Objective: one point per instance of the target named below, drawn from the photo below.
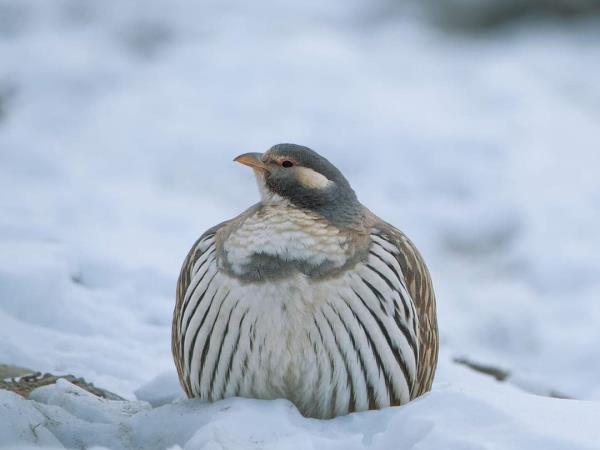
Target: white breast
(288, 233)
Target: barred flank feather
(420, 288)
(363, 339)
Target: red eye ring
(287, 164)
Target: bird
(306, 296)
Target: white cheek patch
(311, 179)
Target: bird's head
(289, 172)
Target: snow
(457, 415)
(118, 123)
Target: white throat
(266, 195)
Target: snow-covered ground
(460, 415)
(118, 123)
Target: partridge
(306, 296)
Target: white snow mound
(480, 415)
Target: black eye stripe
(287, 163)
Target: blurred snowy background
(472, 125)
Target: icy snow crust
(118, 123)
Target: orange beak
(252, 160)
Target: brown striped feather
(420, 286)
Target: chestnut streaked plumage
(306, 296)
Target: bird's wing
(202, 252)
(201, 260)
(420, 287)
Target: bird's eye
(287, 164)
